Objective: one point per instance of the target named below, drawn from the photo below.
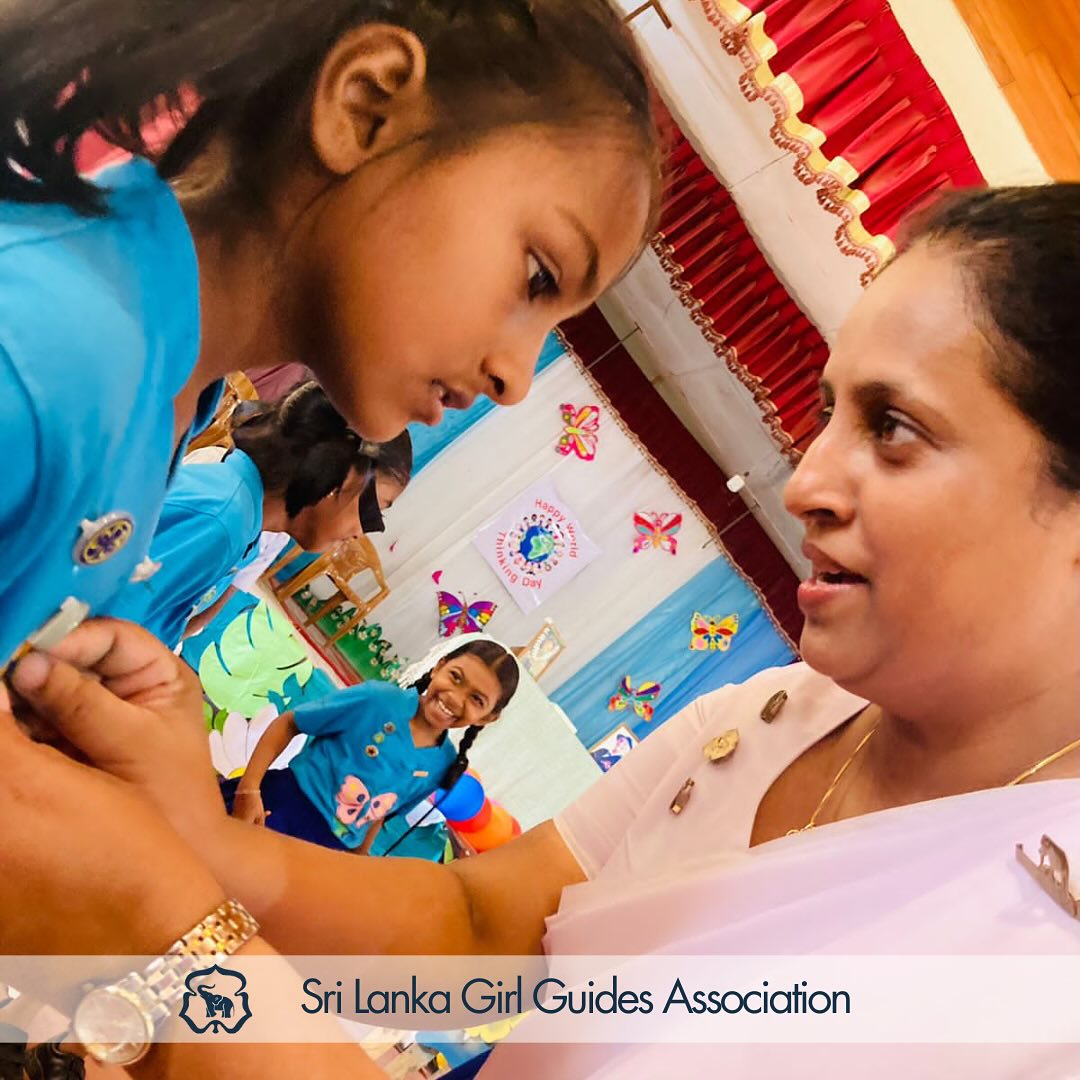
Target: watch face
(112, 1026)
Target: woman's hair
(1020, 251)
(305, 451)
(504, 666)
(242, 72)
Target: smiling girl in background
(406, 196)
(374, 749)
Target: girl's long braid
(461, 763)
(452, 775)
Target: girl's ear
(370, 95)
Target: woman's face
(413, 287)
(942, 554)
(463, 691)
(337, 517)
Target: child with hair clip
(295, 468)
(406, 196)
(374, 750)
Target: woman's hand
(122, 699)
(248, 806)
(88, 867)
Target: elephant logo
(215, 1000)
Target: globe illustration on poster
(536, 545)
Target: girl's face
(945, 562)
(412, 287)
(337, 517)
(463, 691)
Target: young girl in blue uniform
(373, 750)
(404, 195)
(295, 468)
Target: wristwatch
(116, 1022)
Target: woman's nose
(820, 485)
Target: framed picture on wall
(613, 747)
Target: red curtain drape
(866, 89)
(735, 297)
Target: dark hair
(305, 451)
(504, 666)
(70, 66)
(1020, 250)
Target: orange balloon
(477, 821)
(496, 832)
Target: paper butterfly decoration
(656, 531)
(455, 616)
(581, 433)
(640, 700)
(709, 633)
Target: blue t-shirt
(99, 331)
(362, 763)
(209, 528)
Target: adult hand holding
(88, 868)
(121, 698)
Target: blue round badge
(104, 538)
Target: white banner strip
(625, 1000)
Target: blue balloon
(463, 802)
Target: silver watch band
(160, 986)
(162, 983)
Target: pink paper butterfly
(455, 616)
(657, 531)
(709, 633)
(640, 700)
(582, 431)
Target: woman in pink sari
(933, 725)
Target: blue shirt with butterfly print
(361, 762)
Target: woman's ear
(370, 95)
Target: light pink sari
(933, 878)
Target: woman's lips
(822, 589)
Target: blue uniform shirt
(348, 783)
(99, 330)
(209, 528)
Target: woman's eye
(541, 280)
(891, 429)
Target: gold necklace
(1026, 774)
(1045, 761)
(836, 780)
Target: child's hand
(134, 709)
(248, 806)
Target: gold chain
(1045, 761)
(1026, 774)
(836, 780)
